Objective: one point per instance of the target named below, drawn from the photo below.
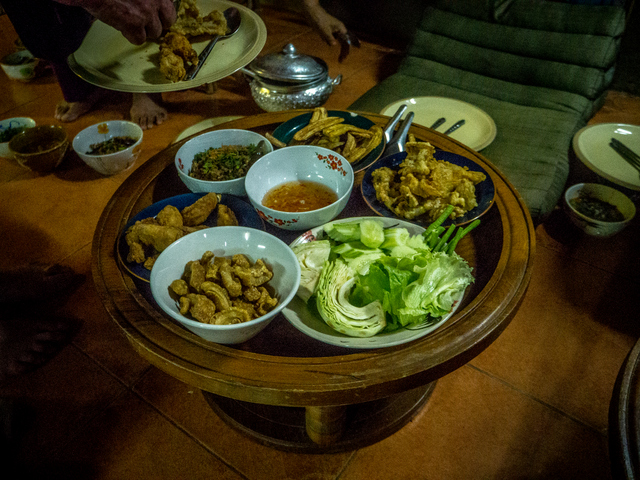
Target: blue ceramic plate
(485, 190)
(245, 213)
(287, 130)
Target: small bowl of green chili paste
(598, 210)
(218, 161)
(109, 147)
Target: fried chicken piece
(169, 216)
(226, 217)
(172, 66)
(176, 54)
(191, 22)
(143, 234)
(198, 212)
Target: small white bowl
(300, 163)
(20, 66)
(215, 139)
(590, 226)
(14, 122)
(226, 241)
(112, 163)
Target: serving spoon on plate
(232, 15)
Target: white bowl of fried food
(109, 147)
(218, 161)
(225, 284)
(300, 187)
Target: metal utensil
(396, 144)
(626, 153)
(233, 23)
(391, 126)
(454, 127)
(438, 122)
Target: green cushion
(574, 63)
(539, 69)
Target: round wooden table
(288, 390)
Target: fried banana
(314, 127)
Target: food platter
(107, 59)
(591, 145)
(244, 212)
(287, 130)
(485, 190)
(477, 133)
(298, 313)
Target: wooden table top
(282, 366)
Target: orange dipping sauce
(299, 196)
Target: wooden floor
(533, 405)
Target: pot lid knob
(289, 66)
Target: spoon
(232, 16)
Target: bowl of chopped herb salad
(218, 161)
(109, 147)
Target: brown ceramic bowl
(40, 148)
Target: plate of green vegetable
(372, 282)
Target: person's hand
(138, 20)
(329, 27)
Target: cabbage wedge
(332, 300)
(312, 257)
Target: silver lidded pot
(289, 80)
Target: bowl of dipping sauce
(40, 149)
(300, 187)
(598, 210)
(109, 147)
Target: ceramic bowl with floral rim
(109, 147)
(314, 166)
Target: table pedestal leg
(321, 429)
(325, 425)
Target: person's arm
(138, 20)
(327, 25)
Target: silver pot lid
(289, 66)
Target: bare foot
(146, 111)
(71, 111)
(27, 344)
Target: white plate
(302, 318)
(203, 125)
(109, 60)
(477, 133)
(591, 145)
